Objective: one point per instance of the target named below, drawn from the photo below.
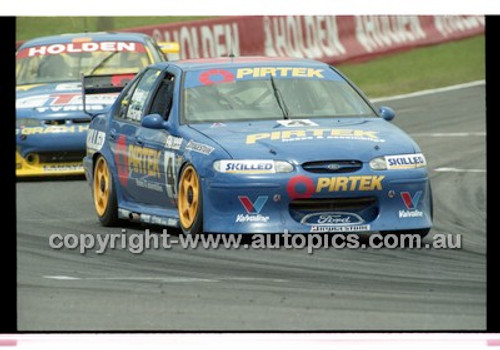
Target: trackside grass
(422, 68)
(32, 27)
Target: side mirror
(387, 113)
(153, 121)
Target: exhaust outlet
(134, 217)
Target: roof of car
(96, 36)
(234, 62)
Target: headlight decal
(399, 161)
(406, 161)
(252, 166)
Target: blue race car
(254, 145)
(51, 126)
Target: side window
(140, 95)
(121, 111)
(162, 102)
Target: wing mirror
(387, 113)
(153, 121)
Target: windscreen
(265, 93)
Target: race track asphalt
(244, 289)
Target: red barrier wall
(332, 39)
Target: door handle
(112, 134)
(139, 141)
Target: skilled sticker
(411, 203)
(253, 209)
(315, 134)
(405, 161)
(199, 147)
(247, 166)
(103, 46)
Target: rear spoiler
(170, 49)
(103, 84)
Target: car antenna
(85, 25)
(231, 52)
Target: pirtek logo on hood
(312, 134)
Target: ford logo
(332, 219)
(333, 166)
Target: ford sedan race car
(51, 126)
(254, 145)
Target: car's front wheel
(190, 201)
(105, 202)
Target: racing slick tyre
(190, 201)
(104, 194)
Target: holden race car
(51, 125)
(254, 145)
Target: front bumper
(58, 154)
(25, 168)
(234, 203)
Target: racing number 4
(170, 175)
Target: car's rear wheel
(190, 201)
(105, 202)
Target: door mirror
(387, 113)
(153, 121)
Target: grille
(55, 122)
(65, 121)
(333, 166)
(332, 204)
(61, 157)
(81, 120)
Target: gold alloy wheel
(188, 200)
(101, 186)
